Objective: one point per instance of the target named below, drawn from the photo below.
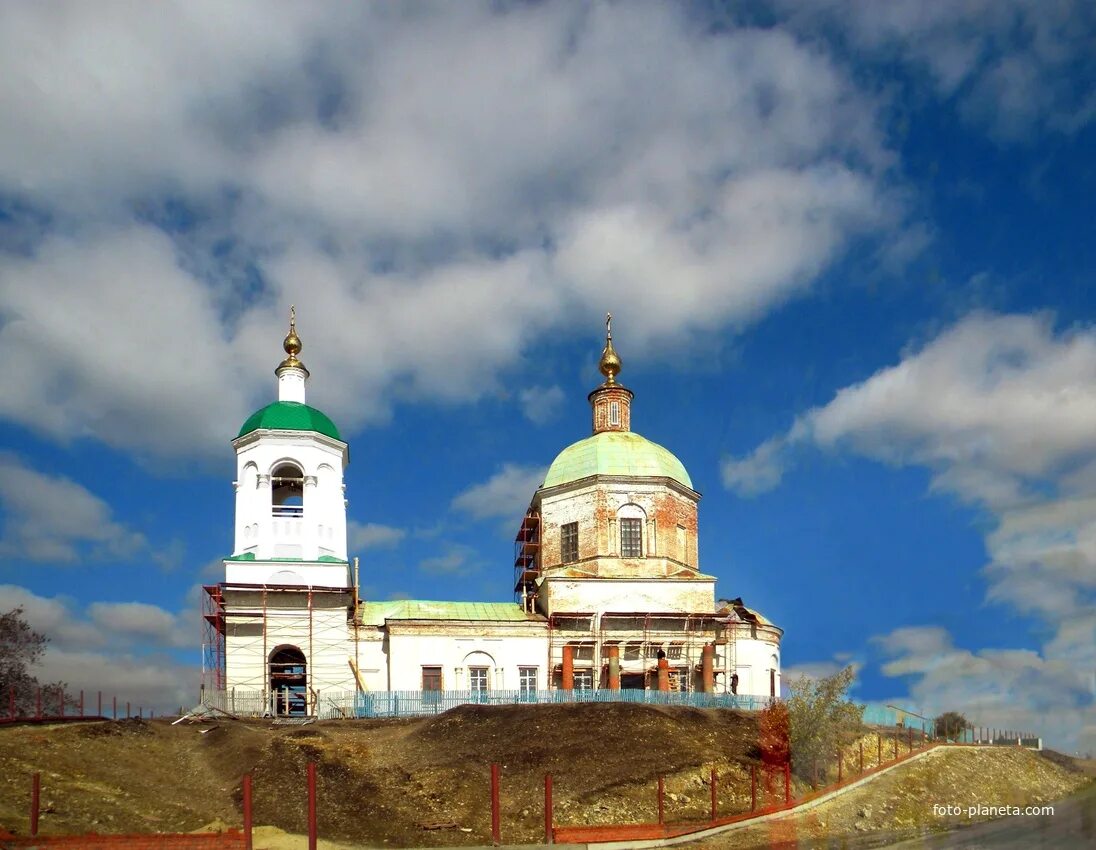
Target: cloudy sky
(849, 249)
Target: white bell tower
(290, 505)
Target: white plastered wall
(501, 647)
(321, 530)
(754, 658)
(326, 644)
(558, 594)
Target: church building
(609, 593)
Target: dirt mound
(597, 743)
(426, 782)
(117, 729)
(411, 782)
(1063, 761)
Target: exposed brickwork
(231, 840)
(601, 400)
(595, 507)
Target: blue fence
(419, 703)
(881, 715)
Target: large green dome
(290, 416)
(615, 453)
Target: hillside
(379, 781)
(425, 782)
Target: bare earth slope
(425, 782)
(900, 803)
(411, 782)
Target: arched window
(287, 490)
(632, 519)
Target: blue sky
(848, 248)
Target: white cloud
(1002, 410)
(815, 670)
(435, 189)
(1016, 689)
(1013, 66)
(52, 617)
(119, 648)
(54, 519)
(140, 621)
(541, 404)
(153, 682)
(371, 535)
(108, 338)
(455, 560)
(505, 494)
(758, 472)
(995, 405)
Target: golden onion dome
(610, 361)
(292, 344)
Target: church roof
(290, 416)
(615, 453)
(375, 613)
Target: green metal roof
(416, 609)
(615, 453)
(323, 559)
(290, 416)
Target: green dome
(290, 416)
(615, 453)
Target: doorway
(289, 682)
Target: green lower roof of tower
(615, 453)
(290, 416)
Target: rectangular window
(614, 413)
(631, 537)
(527, 681)
(568, 543)
(584, 680)
(431, 678)
(477, 679)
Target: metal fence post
(312, 805)
(787, 783)
(247, 812)
(35, 792)
(496, 836)
(547, 808)
(661, 808)
(715, 794)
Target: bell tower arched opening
(287, 491)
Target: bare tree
(21, 647)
